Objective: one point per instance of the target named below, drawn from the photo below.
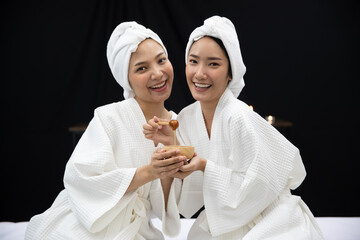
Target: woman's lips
(202, 87)
(159, 87)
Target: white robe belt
(139, 208)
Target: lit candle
(251, 107)
(270, 119)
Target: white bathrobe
(93, 204)
(246, 184)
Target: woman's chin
(199, 96)
(162, 97)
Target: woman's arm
(260, 166)
(163, 165)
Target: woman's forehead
(146, 50)
(148, 45)
(206, 47)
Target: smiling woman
(207, 72)
(150, 73)
(111, 187)
(244, 168)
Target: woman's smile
(159, 87)
(201, 87)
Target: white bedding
(334, 228)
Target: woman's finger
(159, 150)
(168, 154)
(169, 173)
(154, 122)
(149, 127)
(148, 132)
(168, 162)
(187, 168)
(171, 167)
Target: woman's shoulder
(114, 107)
(234, 108)
(190, 109)
(116, 111)
(118, 115)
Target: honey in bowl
(187, 151)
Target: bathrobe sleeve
(170, 218)
(257, 165)
(95, 184)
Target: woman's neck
(153, 109)
(208, 111)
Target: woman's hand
(158, 133)
(195, 164)
(165, 163)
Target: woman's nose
(200, 74)
(156, 74)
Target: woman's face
(207, 71)
(150, 73)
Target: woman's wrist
(167, 180)
(142, 176)
(203, 164)
(170, 141)
(149, 175)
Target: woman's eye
(192, 61)
(214, 64)
(162, 60)
(140, 69)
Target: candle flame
(270, 119)
(251, 107)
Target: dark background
(302, 61)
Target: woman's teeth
(160, 85)
(199, 85)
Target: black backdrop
(302, 61)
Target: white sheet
(346, 228)
(12, 231)
(334, 228)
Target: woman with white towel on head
(244, 168)
(115, 177)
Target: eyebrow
(214, 58)
(143, 62)
(209, 58)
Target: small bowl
(187, 151)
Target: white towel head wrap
(223, 29)
(123, 41)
